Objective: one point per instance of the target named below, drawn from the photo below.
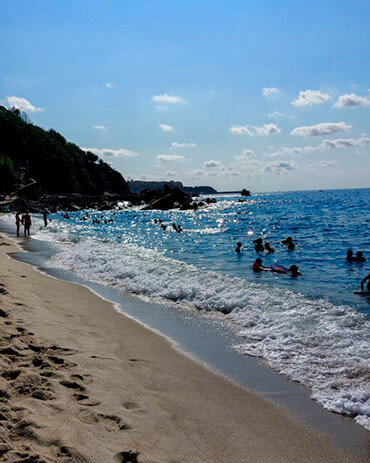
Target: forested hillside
(58, 166)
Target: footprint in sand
(110, 422)
(85, 400)
(73, 385)
(126, 456)
(69, 455)
(3, 314)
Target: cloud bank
(166, 127)
(351, 100)
(310, 97)
(170, 158)
(251, 130)
(120, 152)
(269, 91)
(165, 98)
(183, 145)
(212, 163)
(325, 128)
(22, 104)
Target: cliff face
(57, 165)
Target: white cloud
(345, 143)
(120, 152)
(109, 85)
(241, 130)
(310, 97)
(165, 98)
(22, 104)
(275, 115)
(100, 127)
(212, 163)
(286, 150)
(279, 167)
(170, 158)
(246, 156)
(251, 130)
(325, 128)
(183, 145)
(166, 127)
(337, 143)
(351, 100)
(269, 91)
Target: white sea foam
(314, 342)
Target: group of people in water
(260, 246)
(176, 228)
(357, 258)
(293, 270)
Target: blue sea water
(313, 328)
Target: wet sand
(81, 382)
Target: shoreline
(141, 394)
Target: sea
(312, 329)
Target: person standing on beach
(17, 222)
(26, 220)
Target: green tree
(8, 174)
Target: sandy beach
(81, 382)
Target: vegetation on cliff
(58, 166)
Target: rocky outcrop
(245, 192)
(169, 198)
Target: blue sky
(264, 95)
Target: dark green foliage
(8, 174)
(57, 165)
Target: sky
(262, 95)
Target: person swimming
(268, 248)
(258, 245)
(360, 257)
(366, 279)
(357, 258)
(238, 247)
(289, 242)
(293, 270)
(258, 267)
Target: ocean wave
(322, 346)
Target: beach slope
(81, 382)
